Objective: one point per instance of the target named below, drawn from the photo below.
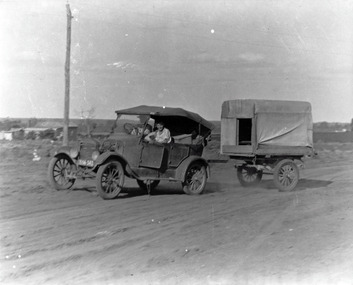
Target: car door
(153, 156)
(178, 153)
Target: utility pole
(67, 77)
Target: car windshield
(133, 124)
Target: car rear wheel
(110, 180)
(195, 179)
(248, 176)
(286, 175)
(61, 172)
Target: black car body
(125, 153)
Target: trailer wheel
(248, 176)
(286, 175)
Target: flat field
(228, 235)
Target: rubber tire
(105, 169)
(281, 175)
(256, 176)
(143, 185)
(190, 179)
(53, 166)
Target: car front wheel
(195, 179)
(110, 180)
(61, 172)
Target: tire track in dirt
(165, 232)
(166, 237)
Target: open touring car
(125, 153)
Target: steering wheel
(129, 128)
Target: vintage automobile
(125, 153)
(267, 136)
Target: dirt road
(228, 235)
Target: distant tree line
(101, 125)
(8, 124)
(333, 127)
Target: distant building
(48, 129)
(58, 129)
(14, 133)
(35, 133)
(6, 135)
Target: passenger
(161, 135)
(198, 139)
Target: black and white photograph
(172, 142)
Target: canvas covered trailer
(256, 127)
(261, 134)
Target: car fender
(181, 170)
(106, 156)
(64, 150)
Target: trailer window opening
(244, 131)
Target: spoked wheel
(110, 180)
(248, 176)
(143, 185)
(61, 172)
(195, 179)
(286, 175)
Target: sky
(177, 53)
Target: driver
(161, 135)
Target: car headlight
(95, 154)
(73, 152)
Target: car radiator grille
(86, 152)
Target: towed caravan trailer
(267, 135)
